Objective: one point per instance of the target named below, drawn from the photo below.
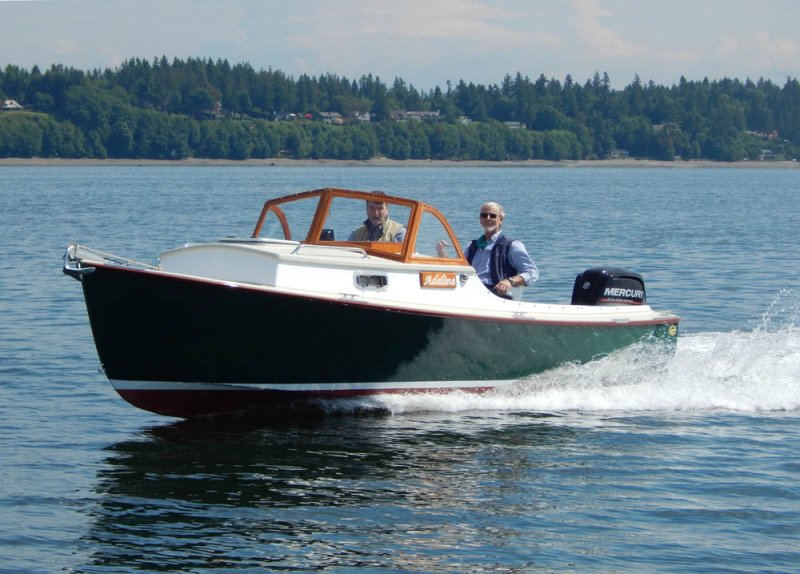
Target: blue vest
(499, 260)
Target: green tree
(560, 145)
(365, 144)
(121, 140)
(63, 139)
(162, 109)
(21, 135)
(198, 103)
(492, 137)
(297, 143)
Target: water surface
(629, 464)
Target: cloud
(727, 45)
(600, 41)
(758, 46)
(756, 55)
(97, 33)
(467, 22)
(422, 41)
(425, 42)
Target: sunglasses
(487, 215)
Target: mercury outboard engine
(608, 286)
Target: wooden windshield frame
(405, 254)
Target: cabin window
(346, 215)
(431, 232)
(298, 216)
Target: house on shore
(416, 116)
(11, 105)
(334, 118)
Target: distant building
(515, 125)
(666, 129)
(618, 154)
(11, 105)
(417, 116)
(331, 118)
(771, 135)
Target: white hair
(496, 206)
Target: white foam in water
(747, 371)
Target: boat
(302, 312)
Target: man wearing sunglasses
(501, 262)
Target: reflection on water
(333, 491)
(440, 483)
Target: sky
(426, 43)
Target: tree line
(212, 109)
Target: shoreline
(384, 162)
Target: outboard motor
(608, 286)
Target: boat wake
(755, 370)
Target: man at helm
(378, 226)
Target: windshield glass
(433, 240)
(351, 219)
(290, 219)
(372, 221)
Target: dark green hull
(151, 327)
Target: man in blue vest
(501, 262)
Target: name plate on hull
(437, 280)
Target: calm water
(624, 465)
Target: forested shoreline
(200, 108)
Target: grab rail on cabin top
(258, 240)
(357, 250)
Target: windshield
(388, 226)
(358, 220)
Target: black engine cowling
(608, 286)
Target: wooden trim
(406, 251)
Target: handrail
(358, 250)
(74, 248)
(258, 240)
